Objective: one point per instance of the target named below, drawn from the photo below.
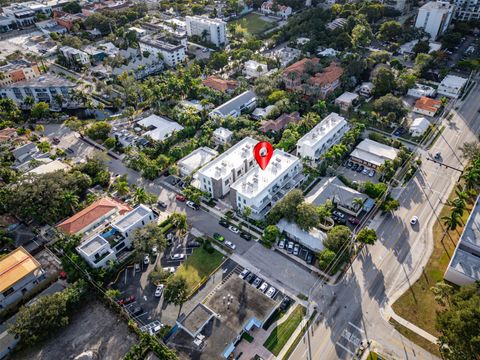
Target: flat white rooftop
(230, 159)
(206, 20)
(197, 158)
(453, 81)
(131, 218)
(257, 180)
(324, 129)
(92, 245)
(158, 127)
(347, 97)
(222, 132)
(374, 152)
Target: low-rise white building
(246, 101)
(260, 189)
(218, 175)
(419, 126)
(346, 100)
(325, 134)
(171, 51)
(74, 56)
(214, 29)
(271, 8)
(421, 90)
(158, 128)
(222, 136)
(104, 246)
(196, 159)
(372, 153)
(452, 86)
(254, 69)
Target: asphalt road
(384, 271)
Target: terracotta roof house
(7, 134)
(427, 106)
(280, 122)
(219, 84)
(93, 215)
(298, 77)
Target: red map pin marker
(263, 152)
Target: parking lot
(357, 172)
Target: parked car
(414, 220)
(349, 164)
(224, 223)
(136, 267)
(180, 198)
(271, 292)
(354, 220)
(244, 274)
(159, 290)
(263, 287)
(281, 244)
(146, 259)
(233, 229)
(155, 250)
(257, 282)
(290, 247)
(70, 151)
(250, 277)
(169, 269)
(137, 311)
(296, 249)
(162, 205)
(230, 245)
(360, 168)
(245, 236)
(340, 221)
(285, 303)
(218, 237)
(371, 173)
(355, 167)
(56, 141)
(193, 243)
(365, 171)
(338, 214)
(192, 205)
(126, 301)
(178, 256)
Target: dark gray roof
(334, 189)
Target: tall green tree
(367, 236)
(176, 292)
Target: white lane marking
(344, 348)
(356, 327)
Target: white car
(169, 269)
(178, 256)
(263, 287)
(365, 171)
(159, 290)
(155, 250)
(192, 205)
(271, 291)
(414, 220)
(233, 229)
(230, 245)
(338, 213)
(146, 260)
(244, 274)
(281, 244)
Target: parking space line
(356, 327)
(344, 348)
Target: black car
(309, 259)
(162, 205)
(250, 278)
(224, 223)
(349, 164)
(355, 167)
(341, 221)
(70, 150)
(137, 311)
(285, 303)
(246, 236)
(360, 168)
(193, 244)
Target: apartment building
(18, 70)
(219, 174)
(467, 10)
(464, 266)
(74, 56)
(222, 136)
(326, 133)
(20, 272)
(451, 86)
(211, 30)
(25, 14)
(434, 17)
(260, 189)
(246, 101)
(114, 237)
(171, 51)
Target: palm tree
(471, 177)
(357, 202)
(29, 101)
(247, 211)
(70, 200)
(121, 186)
(442, 292)
(452, 221)
(204, 35)
(140, 195)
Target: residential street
(384, 271)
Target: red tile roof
(329, 75)
(299, 66)
(90, 214)
(427, 104)
(220, 84)
(279, 123)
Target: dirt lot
(94, 331)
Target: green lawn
(254, 24)
(199, 266)
(280, 335)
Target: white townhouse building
(326, 133)
(214, 29)
(451, 86)
(219, 174)
(260, 189)
(25, 14)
